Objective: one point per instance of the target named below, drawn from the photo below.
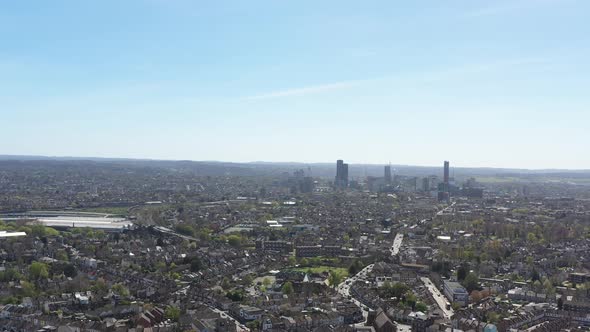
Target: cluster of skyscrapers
(341, 180)
(443, 190)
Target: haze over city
(294, 166)
(485, 84)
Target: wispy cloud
(509, 6)
(307, 90)
(471, 69)
(443, 74)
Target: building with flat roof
(455, 292)
(11, 234)
(579, 278)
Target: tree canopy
(471, 282)
(38, 270)
(287, 288)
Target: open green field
(322, 268)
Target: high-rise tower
(339, 164)
(388, 174)
(341, 180)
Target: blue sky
(481, 83)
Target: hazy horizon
(90, 158)
(480, 84)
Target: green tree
(160, 266)
(462, 272)
(172, 313)
(253, 325)
(196, 264)
(28, 289)
(422, 307)
(40, 231)
(185, 229)
(70, 271)
(120, 289)
(355, 267)
(9, 300)
(99, 286)
(531, 238)
(37, 229)
(235, 296)
(38, 270)
(334, 279)
(287, 288)
(10, 274)
(62, 255)
(225, 283)
(548, 288)
(410, 300)
(204, 234)
(315, 261)
(471, 282)
(248, 280)
(51, 231)
(234, 240)
(397, 289)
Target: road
(344, 288)
(441, 212)
(171, 232)
(438, 297)
(399, 238)
(239, 326)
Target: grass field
(320, 269)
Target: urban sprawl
(123, 245)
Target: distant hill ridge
(214, 168)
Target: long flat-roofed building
(11, 234)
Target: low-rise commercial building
(455, 292)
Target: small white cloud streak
(433, 76)
(307, 90)
(510, 6)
